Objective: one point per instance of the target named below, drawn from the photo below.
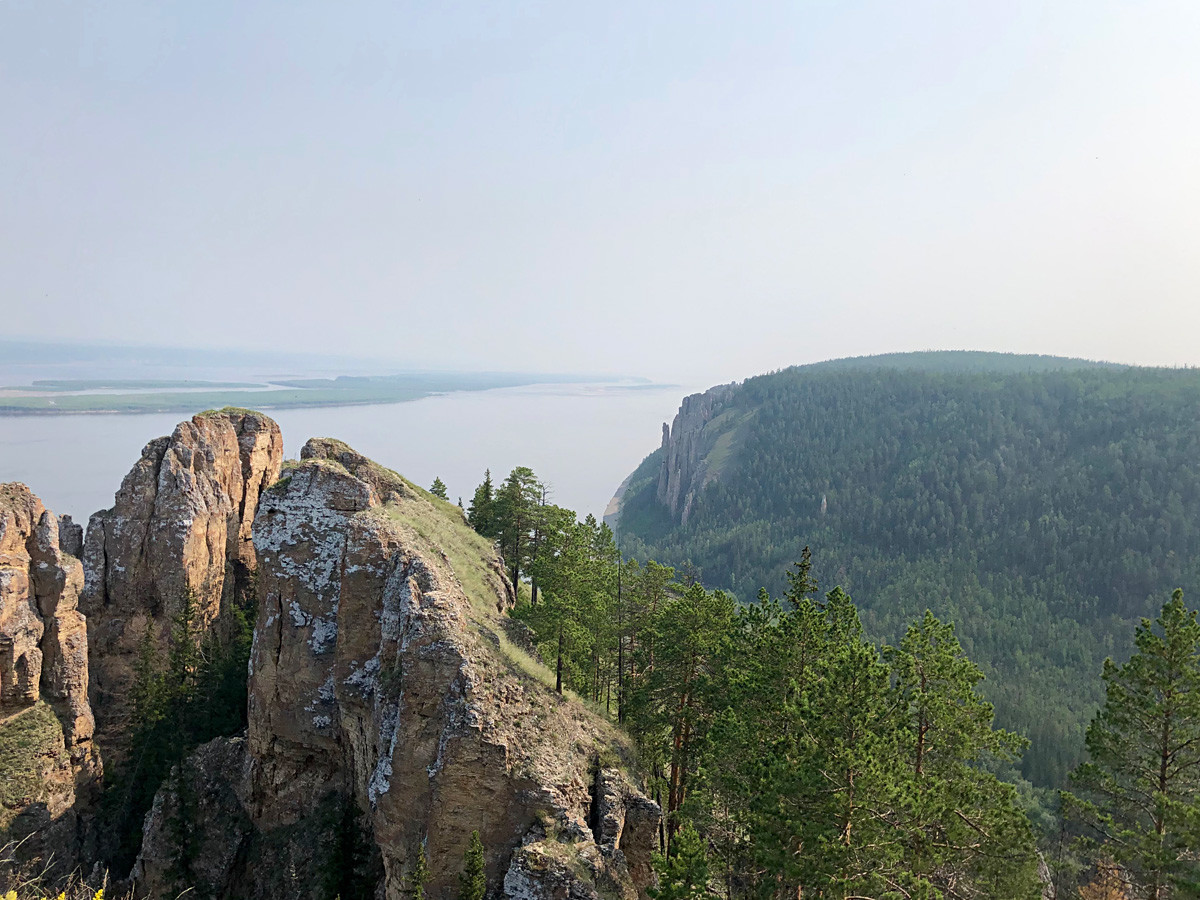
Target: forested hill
(1042, 505)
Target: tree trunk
(559, 667)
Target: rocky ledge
(49, 767)
(685, 447)
(390, 715)
(180, 525)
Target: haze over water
(580, 439)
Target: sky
(690, 190)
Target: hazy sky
(686, 190)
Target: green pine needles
(472, 882)
(419, 876)
(438, 489)
(180, 698)
(1140, 787)
(790, 755)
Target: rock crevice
(181, 525)
(46, 723)
(376, 690)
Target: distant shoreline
(309, 394)
(6, 412)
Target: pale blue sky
(687, 190)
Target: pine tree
(683, 873)
(561, 567)
(1141, 783)
(962, 827)
(481, 514)
(675, 700)
(196, 693)
(420, 875)
(473, 880)
(515, 514)
(836, 775)
(438, 488)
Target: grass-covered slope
(31, 746)
(1043, 506)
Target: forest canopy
(1043, 509)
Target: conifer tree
(682, 873)
(420, 875)
(438, 488)
(481, 514)
(674, 701)
(473, 880)
(515, 513)
(961, 825)
(556, 620)
(1141, 783)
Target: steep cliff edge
(388, 713)
(48, 761)
(693, 448)
(181, 523)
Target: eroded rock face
(382, 701)
(684, 447)
(181, 522)
(46, 724)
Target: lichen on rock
(181, 524)
(381, 675)
(49, 767)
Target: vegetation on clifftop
(30, 740)
(1042, 506)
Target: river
(581, 439)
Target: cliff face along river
(581, 439)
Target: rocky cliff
(181, 523)
(389, 713)
(686, 449)
(48, 762)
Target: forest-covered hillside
(1044, 506)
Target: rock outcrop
(70, 536)
(388, 714)
(48, 762)
(181, 523)
(685, 448)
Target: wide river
(582, 440)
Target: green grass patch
(281, 485)
(467, 551)
(30, 740)
(440, 524)
(231, 411)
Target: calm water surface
(580, 439)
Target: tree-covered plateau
(1042, 506)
